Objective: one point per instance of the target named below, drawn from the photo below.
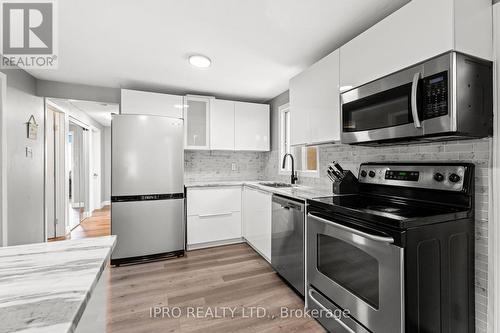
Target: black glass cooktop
(386, 207)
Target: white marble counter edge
(219, 183)
(70, 323)
(257, 184)
(78, 315)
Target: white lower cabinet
(257, 211)
(213, 216)
(213, 228)
(223, 215)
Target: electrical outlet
(233, 166)
(29, 152)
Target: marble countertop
(301, 192)
(45, 287)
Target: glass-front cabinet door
(196, 122)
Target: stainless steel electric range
(399, 255)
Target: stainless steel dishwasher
(287, 244)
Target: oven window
(386, 109)
(350, 267)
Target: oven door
(359, 271)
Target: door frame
(3, 161)
(95, 189)
(59, 173)
(494, 191)
(87, 143)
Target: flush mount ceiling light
(200, 61)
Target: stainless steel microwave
(448, 97)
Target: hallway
(99, 224)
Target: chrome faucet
(293, 177)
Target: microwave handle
(414, 107)
(376, 238)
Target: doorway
(95, 170)
(78, 164)
(78, 182)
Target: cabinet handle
(216, 214)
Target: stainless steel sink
(276, 185)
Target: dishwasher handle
(288, 204)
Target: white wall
(25, 175)
(77, 91)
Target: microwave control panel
(435, 95)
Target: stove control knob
(438, 177)
(371, 173)
(363, 173)
(454, 178)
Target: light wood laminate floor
(99, 224)
(232, 276)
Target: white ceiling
(100, 112)
(256, 46)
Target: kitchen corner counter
(46, 287)
(300, 192)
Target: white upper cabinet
(314, 103)
(197, 122)
(143, 102)
(251, 126)
(417, 31)
(222, 125)
(209, 123)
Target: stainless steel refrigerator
(147, 187)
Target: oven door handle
(376, 238)
(414, 106)
(324, 308)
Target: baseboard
(75, 205)
(105, 203)
(214, 244)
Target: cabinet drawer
(208, 201)
(203, 229)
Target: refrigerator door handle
(214, 215)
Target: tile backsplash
(217, 165)
(474, 151)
